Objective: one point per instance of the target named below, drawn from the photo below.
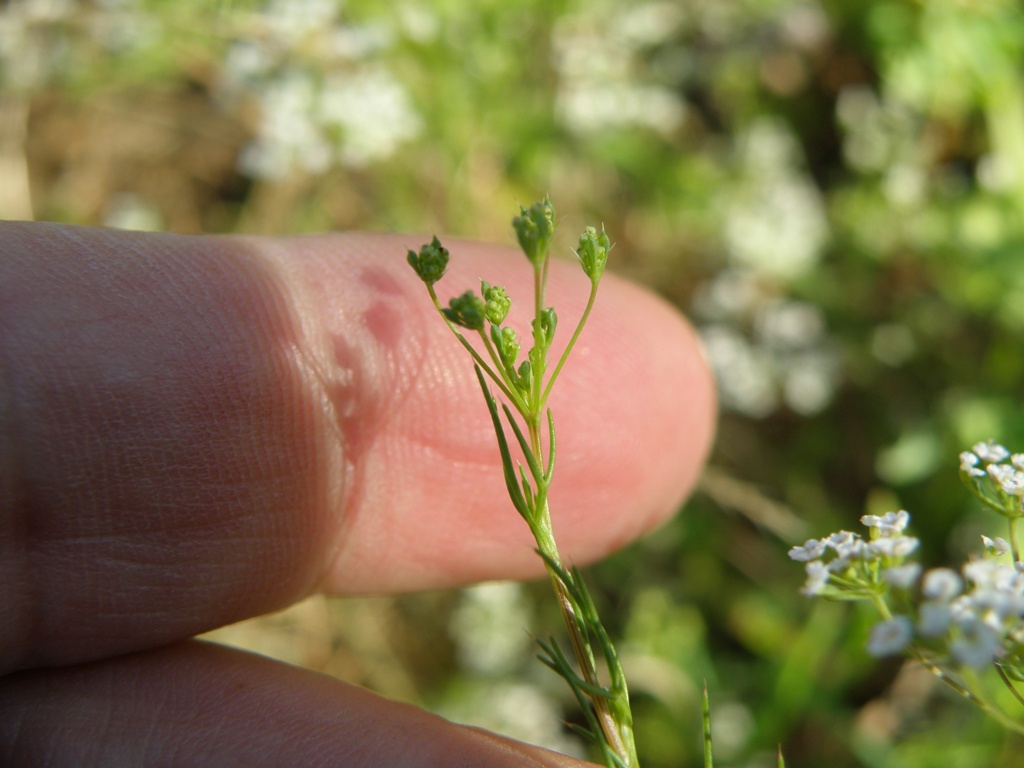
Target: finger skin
(197, 704)
(198, 430)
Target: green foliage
(605, 706)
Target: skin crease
(194, 431)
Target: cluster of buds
(526, 386)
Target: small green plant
(958, 624)
(525, 387)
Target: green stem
(581, 648)
(539, 364)
(505, 390)
(1014, 546)
(509, 390)
(544, 535)
(572, 342)
(883, 607)
(1008, 683)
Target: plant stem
(1014, 546)
(580, 646)
(572, 342)
(507, 391)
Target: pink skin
(194, 431)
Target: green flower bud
(548, 321)
(497, 300)
(467, 310)
(534, 229)
(431, 262)
(507, 344)
(593, 252)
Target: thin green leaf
(511, 483)
(551, 448)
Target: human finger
(197, 704)
(198, 430)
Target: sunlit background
(833, 191)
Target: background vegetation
(832, 189)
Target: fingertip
(634, 409)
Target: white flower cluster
(970, 619)
(845, 566)
(999, 484)
(965, 619)
(766, 350)
(324, 95)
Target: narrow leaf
(511, 483)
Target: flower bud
(534, 229)
(497, 302)
(548, 320)
(467, 310)
(593, 252)
(431, 262)
(507, 344)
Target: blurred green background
(832, 190)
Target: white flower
(902, 576)
(999, 472)
(889, 523)
(811, 550)
(990, 575)
(969, 464)
(899, 546)
(990, 451)
(890, 637)
(942, 584)
(817, 578)
(846, 545)
(977, 644)
(1010, 480)
(1017, 460)
(934, 618)
(1013, 483)
(998, 545)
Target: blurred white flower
(977, 644)
(902, 576)
(942, 584)
(990, 450)
(817, 577)
(601, 83)
(788, 358)
(374, 113)
(812, 549)
(774, 221)
(745, 375)
(890, 637)
(889, 523)
(934, 618)
(997, 546)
